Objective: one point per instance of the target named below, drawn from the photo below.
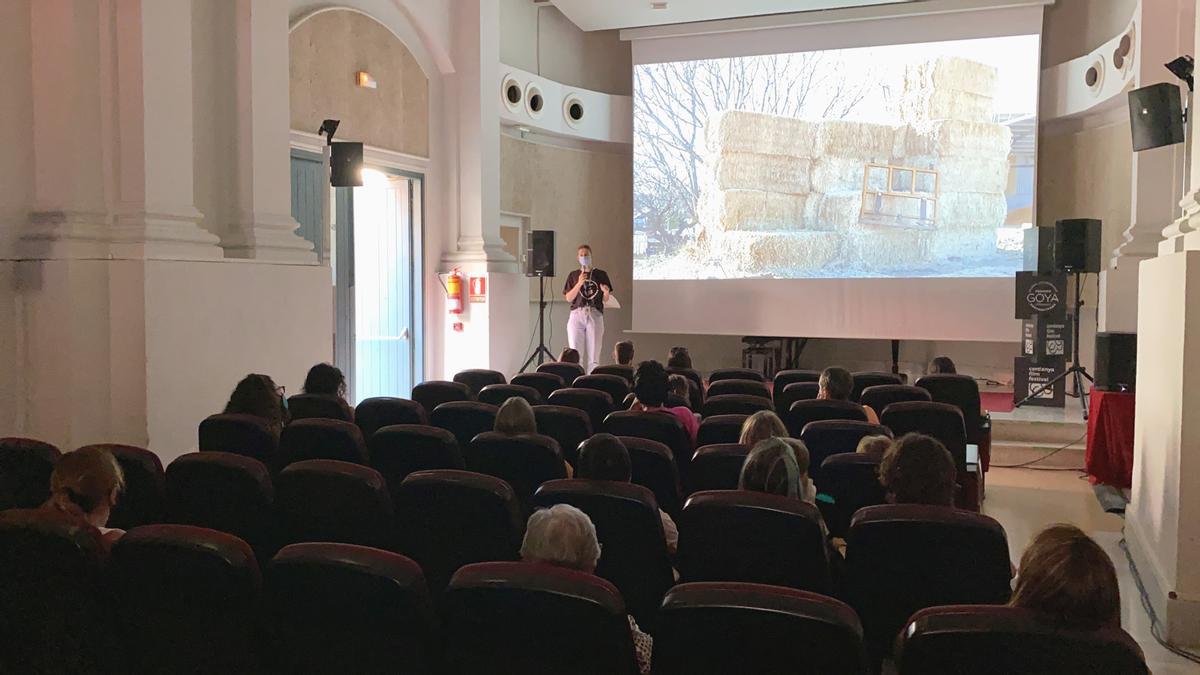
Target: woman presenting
(587, 289)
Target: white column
(263, 227)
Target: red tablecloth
(1109, 458)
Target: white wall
(539, 39)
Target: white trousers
(585, 332)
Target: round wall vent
(1093, 77)
(573, 110)
(534, 102)
(511, 93)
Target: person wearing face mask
(587, 289)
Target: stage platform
(1023, 434)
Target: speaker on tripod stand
(539, 264)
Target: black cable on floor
(1048, 455)
(1149, 607)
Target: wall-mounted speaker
(1077, 245)
(345, 164)
(1116, 361)
(539, 253)
(1156, 116)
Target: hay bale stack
(964, 210)
(884, 249)
(751, 171)
(755, 210)
(957, 138)
(856, 140)
(949, 87)
(965, 174)
(833, 212)
(773, 253)
(760, 133)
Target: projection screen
(862, 179)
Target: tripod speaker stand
(542, 354)
(1076, 372)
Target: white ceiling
(605, 14)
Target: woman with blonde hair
(516, 417)
(85, 486)
(1065, 575)
(760, 426)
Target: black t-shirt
(590, 295)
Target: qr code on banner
(1029, 346)
(1048, 392)
(1055, 347)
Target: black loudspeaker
(1116, 361)
(539, 253)
(1156, 116)
(1077, 245)
(345, 164)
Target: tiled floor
(1026, 501)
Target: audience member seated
(650, 387)
(568, 355)
(680, 390)
(258, 395)
(516, 417)
(679, 357)
(25, 468)
(837, 384)
(918, 469)
(324, 379)
(623, 353)
(564, 536)
(778, 466)
(85, 486)
(760, 426)
(1066, 576)
(605, 457)
(874, 446)
(941, 365)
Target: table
(1109, 458)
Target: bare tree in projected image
(675, 100)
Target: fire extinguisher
(454, 292)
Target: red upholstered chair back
(801, 413)
(524, 461)
(796, 391)
(785, 377)
(720, 429)
(654, 468)
(940, 420)
(321, 439)
(447, 519)
(615, 386)
(634, 553)
(478, 378)
(721, 374)
(992, 640)
(735, 404)
(185, 599)
(342, 608)
(545, 383)
(735, 535)
(962, 392)
(464, 419)
(904, 557)
(865, 379)
(730, 627)
(738, 386)
(497, 394)
(327, 500)
(246, 435)
(373, 414)
(624, 372)
(597, 404)
(567, 371)
(717, 466)
(54, 617)
(655, 426)
(536, 619)
(326, 406)
(881, 396)
(826, 438)
(141, 502)
(401, 449)
(851, 480)
(433, 393)
(25, 468)
(569, 426)
(225, 492)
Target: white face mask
(585, 260)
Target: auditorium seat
(734, 386)
(464, 419)
(497, 394)
(881, 396)
(320, 438)
(990, 640)
(569, 426)
(721, 374)
(796, 391)
(326, 500)
(478, 378)
(597, 404)
(720, 429)
(186, 600)
(433, 393)
(785, 377)
(54, 616)
(825, 438)
(962, 391)
(225, 492)
(801, 413)
(545, 383)
(25, 468)
(534, 619)
(851, 481)
(735, 535)
(376, 413)
(731, 627)
(616, 387)
(246, 435)
(734, 404)
(567, 371)
(447, 519)
(655, 469)
(624, 372)
(655, 426)
(633, 551)
(717, 467)
(141, 502)
(323, 406)
(865, 379)
(332, 608)
(901, 558)
(524, 461)
(940, 420)
(401, 449)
